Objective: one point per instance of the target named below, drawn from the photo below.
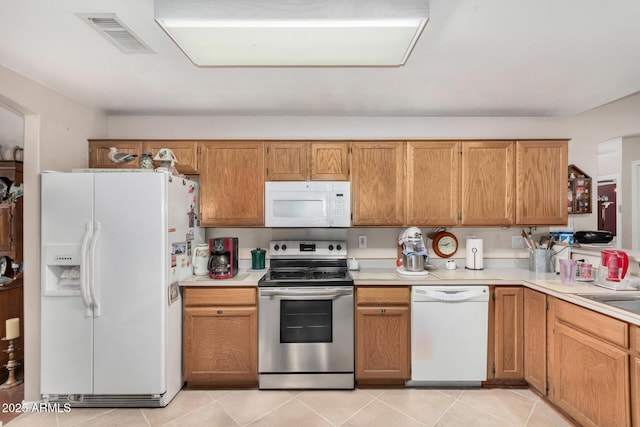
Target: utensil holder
(541, 260)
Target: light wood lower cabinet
(508, 347)
(220, 336)
(588, 356)
(382, 334)
(535, 340)
(635, 375)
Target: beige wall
(55, 137)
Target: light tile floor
(360, 407)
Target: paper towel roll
(474, 254)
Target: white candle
(12, 328)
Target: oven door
(306, 330)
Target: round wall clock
(445, 244)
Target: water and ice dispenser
(62, 269)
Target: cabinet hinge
(267, 171)
(547, 305)
(198, 150)
(493, 295)
(267, 150)
(493, 369)
(350, 150)
(459, 216)
(547, 388)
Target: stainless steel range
(306, 317)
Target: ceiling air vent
(114, 30)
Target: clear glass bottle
(146, 161)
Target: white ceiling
(475, 58)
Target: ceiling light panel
(357, 33)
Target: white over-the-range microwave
(307, 204)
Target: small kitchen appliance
(223, 261)
(593, 237)
(306, 317)
(474, 254)
(616, 262)
(201, 259)
(414, 252)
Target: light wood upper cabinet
(330, 161)
(433, 182)
(535, 339)
(377, 183)
(541, 182)
(588, 356)
(99, 153)
(185, 151)
(306, 160)
(287, 161)
(488, 186)
(232, 183)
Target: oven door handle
(305, 294)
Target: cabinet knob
(383, 310)
(219, 312)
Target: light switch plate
(362, 242)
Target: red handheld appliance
(223, 257)
(616, 263)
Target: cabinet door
(433, 182)
(541, 182)
(635, 375)
(591, 378)
(382, 342)
(99, 153)
(232, 183)
(220, 345)
(488, 183)
(7, 240)
(509, 341)
(330, 161)
(535, 339)
(185, 151)
(287, 161)
(377, 183)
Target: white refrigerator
(114, 246)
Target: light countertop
(548, 283)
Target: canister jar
(201, 259)
(257, 259)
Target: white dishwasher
(449, 328)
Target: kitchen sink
(626, 302)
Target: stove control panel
(310, 249)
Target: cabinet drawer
(207, 296)
(602, 326)
(383, 295)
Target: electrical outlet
(517, 242)
(362, 242)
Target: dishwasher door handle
(449, 296)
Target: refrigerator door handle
(84, 273)
(97, 310)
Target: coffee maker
(223, 259)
